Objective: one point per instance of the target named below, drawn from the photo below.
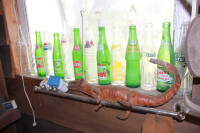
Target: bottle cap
(101, 23)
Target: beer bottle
(165, 53)
(41, 71)
(77, 55)
(103, 57)
(57, 57)
(132, 59)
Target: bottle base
(92, 81)
(69, 79)
(148, 87)
(117, 83)
(132, 84)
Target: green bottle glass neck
(56, 38)
(77, 38)
(102, 35)
(132, 35)
(166, 32)
(38, 38)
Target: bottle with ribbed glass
(116, 58)
(57, 57)
(48, 55)
(148, 69)
(132, 59)
(66, 49)
(165, 79)
(90, 56)
(39, 56)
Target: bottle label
(77, 64)
(132, 42)
(100, 47)
(102, 74)
(57, 66)
(76, 47)
(40, 62)
(116, 71)
(180, 59)
(46, 46)
(163, 77)
(37, 46)
(63, 42)
(149, 54)
(134, 48)
(115, 47)
(89, 44)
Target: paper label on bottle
(46, 46)
(57, 66)
(149, 54)
(163, 77)
(89, 44)
(76, 47)
(100, 47)
(40, 62)
(37, 46)
(102, 73)
(77, 64)
(116, 71)
(181, 59)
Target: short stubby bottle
(132, 59)
(39, 56)
(116, 58)
(103, 57)
(90, 56)
(148, 69)
(57, 57)
(165, 79)
(77, 55)
(66, 49)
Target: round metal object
(192, 47)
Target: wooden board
(192, 47)
(81, 116)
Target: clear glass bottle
(116, 58)
(22, 52)
(66, 49)
(48, 55)
(148, 69)
(90, 56)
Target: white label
(164, 78)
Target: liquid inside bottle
(148, 69)
(116, 59)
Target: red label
(37, 46)
(40, 63)
(102, 74)
(63, 41)
(91, 42)
(77, 64)
(76, 47)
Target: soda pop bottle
(148, 69)
(165, 53)
(39, 56)
(103, 57)
(48, 55)
(57, 57)
(90, 56)
(132, 59)
(66, 49)
(77, 55)
(116, 58)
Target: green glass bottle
(165, 53)
(41, 71)
(57, 57)
(103, 57)
(132, 59)
(78, 55)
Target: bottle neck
(116, 36)
(148, 38)
(102, 35)
(38, 39)
(77, 38)
(166, 33)
(132, 36)
(56, 39)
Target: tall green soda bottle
(103, 57)
(77, 55)
(39, 56)
(132, 59)
(165, 79)
(57, 57)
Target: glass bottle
(48, 55)
(39, 56)
(57, 57)
(66, 49)
(116, 58)
(148, 69)
(166, 53)
(132, 59)
(103, 57)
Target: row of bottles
(107, 67)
